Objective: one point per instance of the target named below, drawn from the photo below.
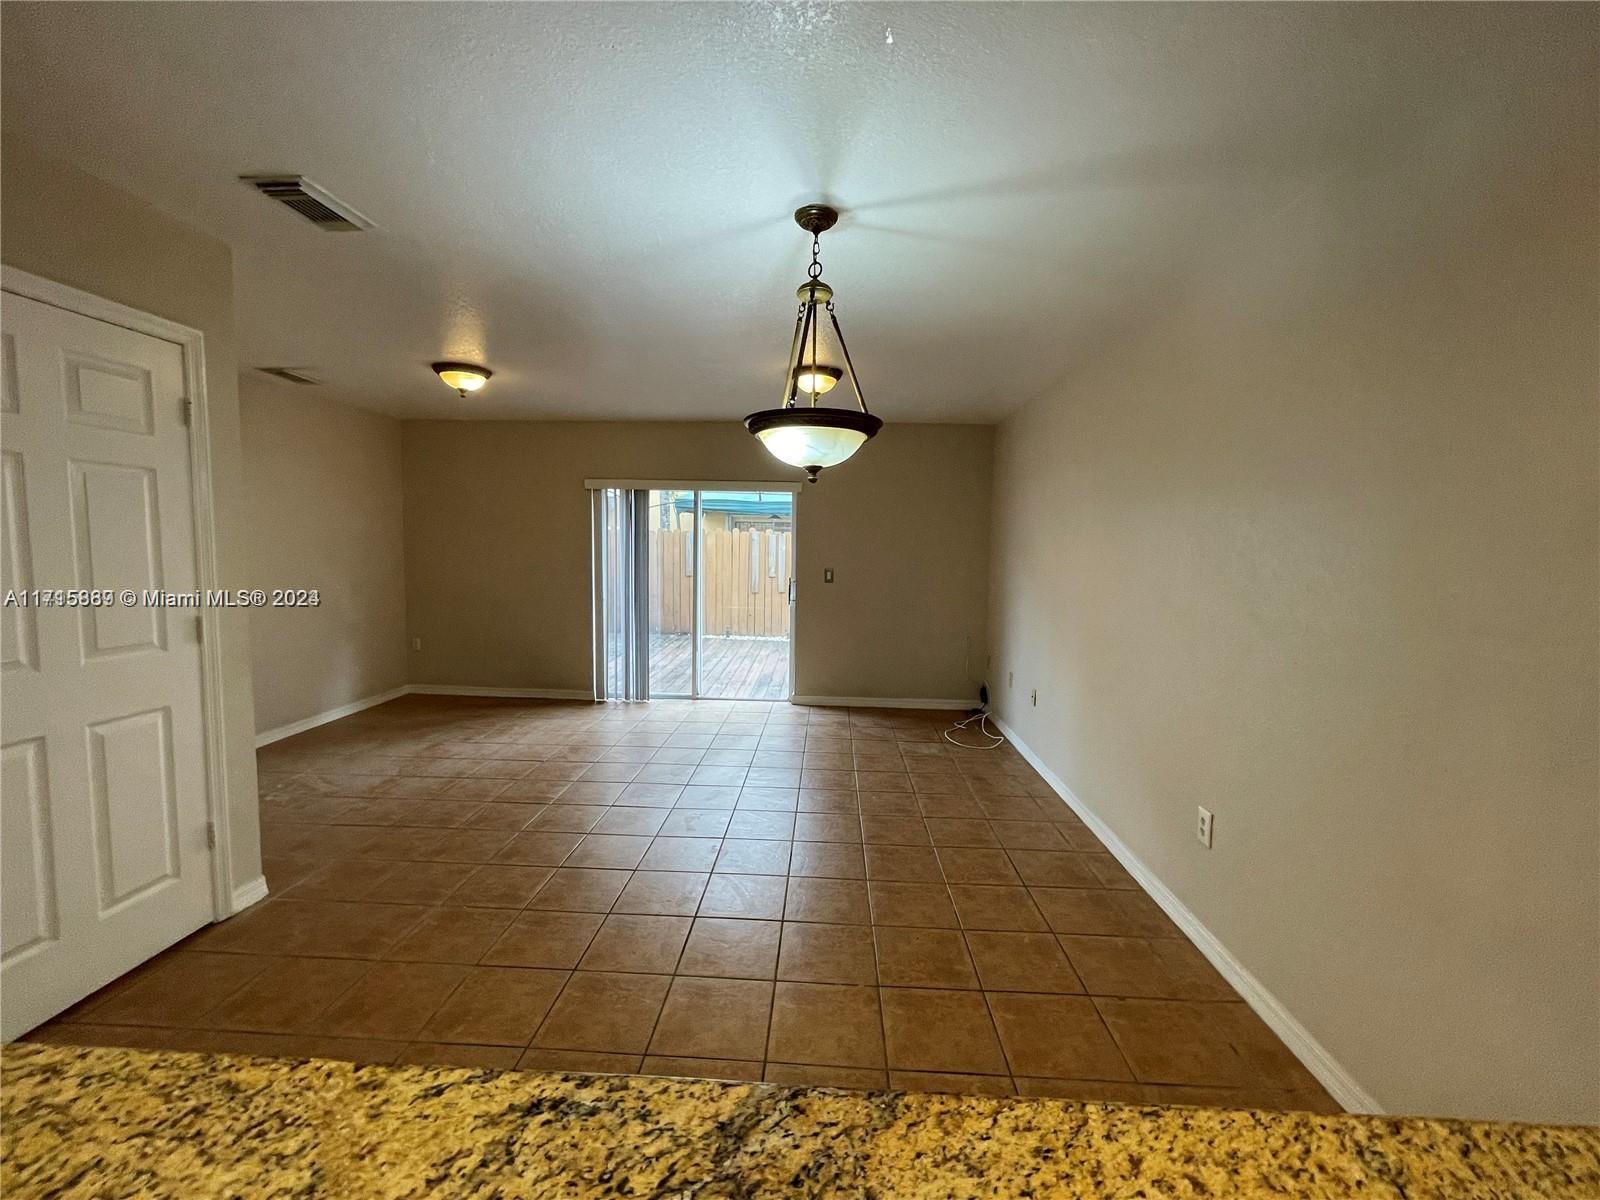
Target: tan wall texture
(62, 224)
(323, 505)
(497, 550)
(1314, 545)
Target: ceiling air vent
(289, 375)
(310, 201)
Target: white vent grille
(289, 375)
(310, 201)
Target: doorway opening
(695, 593)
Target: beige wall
(323, 505)
(1315, 546)
(497, 550)
(61, 224)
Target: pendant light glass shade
(812, 438)
(809, 436)
(816, 380)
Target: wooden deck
(731, 668)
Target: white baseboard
(880, 702)
(1340, 1083)
(268, 736)
(252, 892)
(455, 689)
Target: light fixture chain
(849, 367)
(790, 388)
(817, 435)
(815, 390)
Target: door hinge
(211, 836)
(792, 590)
(186, 410)
(200, 629)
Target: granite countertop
(114, 1123)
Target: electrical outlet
(416, 643)
(1035, 697)
(827, 574)
(1202, 829)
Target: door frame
(698, 486)
(697, 616)
(794, 593)
(192, 343)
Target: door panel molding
(21, 633)
(132, 855)
(106, 558)
(27, 842)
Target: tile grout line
(994, 1025)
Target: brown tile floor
(737, 890)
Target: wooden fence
(746, 581)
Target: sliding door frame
(794, 589)
(698, 617)
(697, 622)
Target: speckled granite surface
(115, 1123)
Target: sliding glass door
(747, 557)
(694, 591)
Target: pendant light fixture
(808, 435)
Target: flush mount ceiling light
(810, 436)
(464, 377)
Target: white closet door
(103, 815)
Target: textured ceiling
(594, 199)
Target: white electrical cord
(983, 730)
